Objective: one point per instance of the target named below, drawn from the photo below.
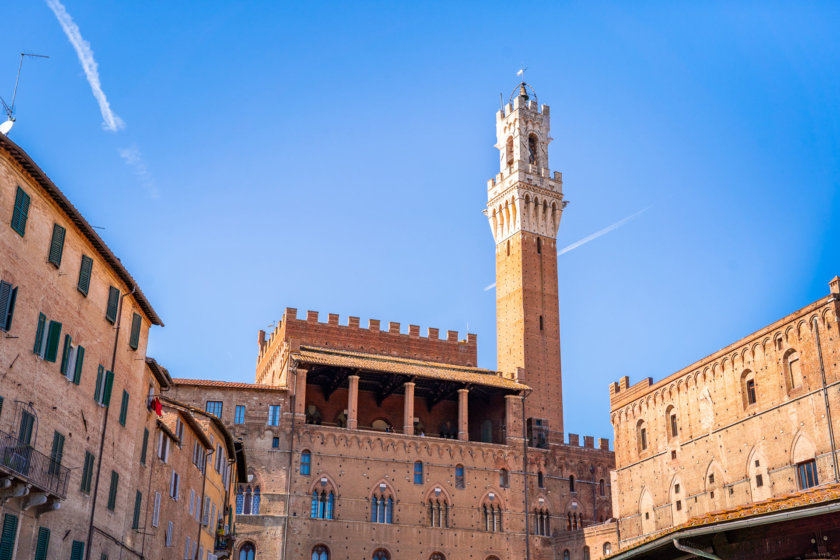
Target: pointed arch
(677, 498)
(758, 474)
(646, 512)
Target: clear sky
(334, 157)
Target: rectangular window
(163, 447)
(39, 335)
(42, 546)
(7, 305)
(679, 505)
(305, 462)
(214, 408)
(138, 501)
(124, 408)
(113, 304)
(239, 414)
(156, 511)
(104, 384)
(112, 493)
(275, 443)
(77, 552)
(8, 535)
(56, 454)
(418, 473)
(751, 391)
(134, 340)
(144, 446)
(56, 245)
(674, 425)
(20, 212)
(174, 485)
(807, 474)
(759, 481)
(274, 415)
(53, 339)
(643, 435)
(712, 478)
(84, 274)
(87, 472)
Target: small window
(112, 493)
(759, 481)
(418, 472)
(676, 488)
(113, 304)
(751, 391)
(540, 480)
(56, 245)
(320, 552)
(8, 295)
(275, 443)
(712, 478)
(20, 212)
(239, 414)
(214, 408)
(602, 487)
(674, 428)
(85, 269)
(508, 248)
(138, 502)
(643, 438)
(532, 150)
(274, 415)
(607, 548)
(539, 246)
(459, 476)
(807, 474)
(647, 515)
(673, 454)
(504, 478)
(87, 473)
(757, 463)
(679, 505)
(305, 463)
(541, 322)
(134, 339)
(571, 483)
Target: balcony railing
(33, 466)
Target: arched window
(566, 554)
(382, 505)
(509, 150)
(247, 552)
(320, 552)
(540, 479)
(437, 556)
(542, 522)
(418, 472)
(380, 554)
(255, 506)
(491, 512)
(323, 501)
(793, 369)
(585, 553)
(438, 511)
(504, 478)
(305, 462)
(748, 388)
(240, 500)
(607, 548)
(641, 436)
(459, 476)
(602, 486)
(571, 483)
(672, 428)
(532, 149)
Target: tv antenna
(10, 109)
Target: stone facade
(753, 421)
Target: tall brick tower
(524, 205)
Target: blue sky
(334, 157)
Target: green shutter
(134, 341)
(39, 333)
(97, 396)
(124, 408)
(53, 336)
(65, 354)
(57, 245)
(57, 453)
(80, 358)
(84, 274)
(7, 537)
(43, 545)
(112, 494)
(138, 500)
(7, 305)
(109, 382)
(78, 550)
(1, 406)
(113, 304)
(21, 211)
(143, 448)
(87, 472)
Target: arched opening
(793, 369)
(437, 509)
(641, 436)
(585, 553)
(607, 548)
(671, 424)
(247, 552)
(492, 514)
(566, 554)
(509, 150)
(602, 488)
(381, 554)
(320, 552)
(382, 504)
(459, 476)
(504, 478)
(571, 482)
(322, 504)
(437, 556)
(748, 388)
(542, 522)
(532, 149)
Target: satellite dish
(6, 127)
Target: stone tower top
(524, 195)
(834, 285)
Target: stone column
(463, 414)
(300, 394)
(408, 409)
(353, 403)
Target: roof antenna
(10, 109)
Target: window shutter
(78, 550)
(57, 453)
(87, 472)
(21, 211)
(43, 545)
(65, 354)
(124, 408)
(156, 512)
(145, 446)
(7, 537)
(84, 274)
(112, 494)
(57, 245)
(7, 305)
(138, 500)
(39, 334)
(113, 303)
(134, 341)
(109, 382)
(53, 336)
(80, 358)
(97, 393)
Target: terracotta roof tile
(224, 384)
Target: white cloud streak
(111, 121)
(599, 233)
(490, 287)
(134, 159)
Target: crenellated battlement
(588, 442)
(517, 104)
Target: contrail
(134, 159)
(604, 231)
(85, 54)
(490, 287)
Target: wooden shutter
(7, 536)
(112, 494)
(134, 341)
(65, 353)
(145, 446)
(39, 333)
(21, 211)
(53, 336)
(57, 245)
(43, 545)
(80, 359)
(57, 453)
(113, 304)
(124, 408)
(97, 395)
(109, 382)
(7, 305)
(156, 511)
(138, 499)
(78, 550)
(84, 274)
(87, 472)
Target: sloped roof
(224, 384)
